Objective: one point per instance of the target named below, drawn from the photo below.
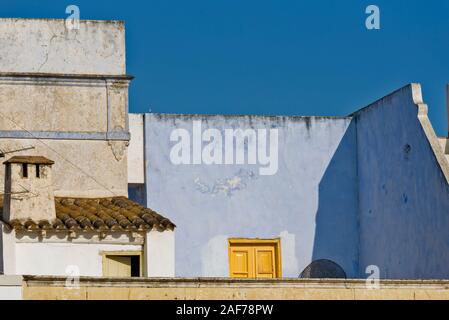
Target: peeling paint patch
(228, 186)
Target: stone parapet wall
(229, 289)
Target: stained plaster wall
(65, 93)
(404, 203)
(370, 190)
(312, 193)
(47, 46)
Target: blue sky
(311, 57)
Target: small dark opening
(25, 170)
(38, 171)
(135, 266)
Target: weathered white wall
(54, 258)
(81, 121)
(136, 169)
(53, 255)
(29, 254)
(82, 168)
(160, 253)
(46, 45)
(65, 105)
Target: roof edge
(195, 282)
(415, 89)
(69, 224)
(29, 160)
(188, 115)
(62, 20)
(78, 76)
(429, 132)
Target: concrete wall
(45, 288)
(82, 168)
(65, 105)
(65, 93)
(404, 202)
(136, 161)
(312, 208)
(47, 46)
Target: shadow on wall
(336, 226)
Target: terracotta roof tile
(99, 214)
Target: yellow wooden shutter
(117, 266)
(265, 262)
(242, 262)
(254, 258)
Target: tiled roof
(98, 214)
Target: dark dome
(321, 269)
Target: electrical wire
(57, 153)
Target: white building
(64, 137)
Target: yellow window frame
(276, 243)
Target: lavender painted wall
(369, 189)
(311, 202)
(404, 202)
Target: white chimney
(28, 189)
